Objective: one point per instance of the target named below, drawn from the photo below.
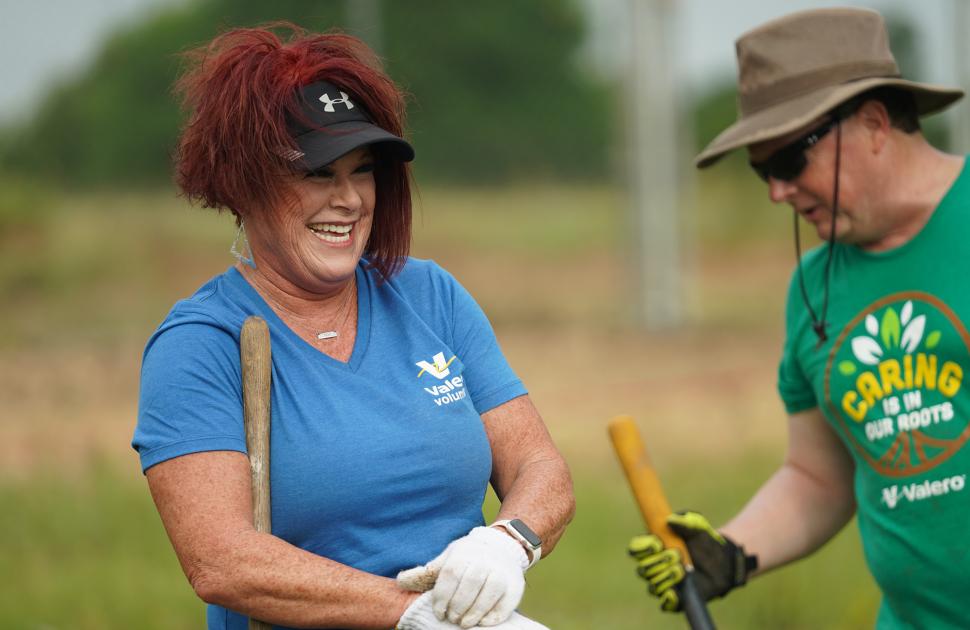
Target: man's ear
(875, 123)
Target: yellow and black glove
(719, 564)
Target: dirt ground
(704, 390)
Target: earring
(242, 242)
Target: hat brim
(323, 146)
(785, 118)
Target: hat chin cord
(818, 323)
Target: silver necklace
(331, 334)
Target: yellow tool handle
(644, 482)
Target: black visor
(337, 126)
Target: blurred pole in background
(960, 140)
(364, 21)
(654, 170)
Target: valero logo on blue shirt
(450, 389)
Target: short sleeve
(488, 376)
(794, 387)
(190, 398)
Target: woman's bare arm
(205, 503)
(529, 474)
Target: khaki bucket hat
(794, 69)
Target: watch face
(527, 533)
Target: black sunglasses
(788, 162)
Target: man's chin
(822, 232)
(823, 229)
(840, 238)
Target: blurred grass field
(85, 278)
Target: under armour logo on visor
(326, 100)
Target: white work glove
(519, 622)
(478, 579)
(419, 616)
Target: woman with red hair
(393, 406)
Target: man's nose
(779, 190)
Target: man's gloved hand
(477, 580)
(719, 564)
(419, 616)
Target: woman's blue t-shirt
(377, 463)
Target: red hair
(240, 90)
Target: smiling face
(811, 192)
(311, 243)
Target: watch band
(526, 537)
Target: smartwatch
(526, 537)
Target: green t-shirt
(890, 381)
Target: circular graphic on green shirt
(892, 381)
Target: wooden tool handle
(647, 490)
(256, 363)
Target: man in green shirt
(877, 345)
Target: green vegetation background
(507, 102)
(90, 278)
(517, 146)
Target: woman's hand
(478, 579)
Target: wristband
(529, 540)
